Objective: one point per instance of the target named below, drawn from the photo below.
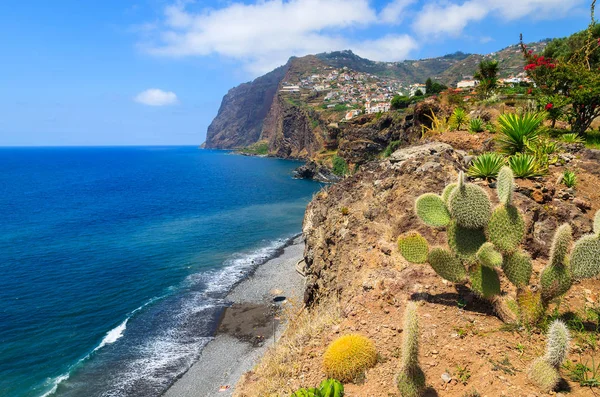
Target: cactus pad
(505, 185)
(447, 191)
(447, 265)
(506, 228)
(470, 206)
(585, 257)
(348, 357)
(432, 210)
(488, 256)
(413, 247)
(563, 237)
(557, 346)
(555, 281)
(517, 267)
(465, 242)
(543, 375)
(485, 281)
(530, 305)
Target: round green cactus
(557, 346)
(432, 210)
(413, 247)
(506, 228)
(470, 206)
(585, 258)
(465, 242)
(488, 256)
(517, 267)
(484, 281)
(543, 375)
(447, 191)
(555, 281)
(505, 185)
(563, 237)
(447, 265)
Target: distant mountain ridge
(295, 125)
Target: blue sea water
(114, 262)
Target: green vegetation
(433, 87)
(327, 388)
(486, 165)
(476, 125)
(524, 165)
(391, 148)
(459, 118)
(516, 130)
(260, 148)
(572, 138)
(488, 78)
(340, 167)
(413, 247)
(569, 179)
(411, 379)
(543, 372)
(400, 102)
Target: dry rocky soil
(351, 229)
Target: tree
(488, 77)
(400, 102)
(569, 68)
(418, 93)
(429, 86)
(433, 87)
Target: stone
(412, 152)
(582, 204)
(446, 377)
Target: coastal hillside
(288, 112)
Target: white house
(352, 113)
(377, 107)
(467, 84)
(417, 87)
(290, 88)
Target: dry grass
(271, 376)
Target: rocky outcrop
(316, 172)
(352, 227)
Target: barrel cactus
(347, 358)
(411, 379)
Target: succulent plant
(488, 256)
(413, 247)
(597, 224)
(465, 242)
(506, 228)
(543, 375)
(432, 210)
(563, 237)
(447, 191)
(543, 371)
(331, 388)
(469, 205)
(447, 265)
(411, 379)
(304, 392)
(585, 258)
(517, 267)
(348, 357)
(484, 281)
(531, 308)
(505, 185)
(556, 278)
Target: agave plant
(516, 130)
(486, 165)
(572, 138)
(524, 165)
(459, 118)
(569, 179)
(476, 125)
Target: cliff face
(240, 119)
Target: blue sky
(153, 72)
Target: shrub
(459, 118)
(476, 125)
(400, 102)
(340, 167)
(569, 179)
(486, 165)
(391, 148)
(438, 125)
(348, 357)
(524, 165)
(518, 129)
(572, 138)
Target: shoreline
(245, 329)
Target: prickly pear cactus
(413, 247)
(465, 242)
(484, 281)
(469, 205)
(488, 256)
(447, 265)
(506, 228)
(585, 258)
(543, 371)
(432, 210)
(517, 267)
(411, 379)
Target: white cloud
(156, 97)
(394, 11)
(388, 48)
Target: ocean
(114, 262)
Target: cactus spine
(413, 247)
(469, 205)
(432, 210)
(585, 258)
(556, 278)
(505, 185)
(543, 372)
(348, 357)
(447, 266)
(411, 379)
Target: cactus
(469, 205)
(543, 375)
(446, 265)
(543, 372)
(517, 268)
(506, 228)
(465, 242)
(413, 247)
(560, 245)
(311, 392)
(331, 388)
(530, 305)
(555, 281)
(348, 357)
(432, 210)
(484, 281)
(557, 346)
(597, 224)
(488, 256)
(447, 191)
(411, 379)
(585, 258)
(505, 185)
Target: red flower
(529, 91)
(549, 106)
